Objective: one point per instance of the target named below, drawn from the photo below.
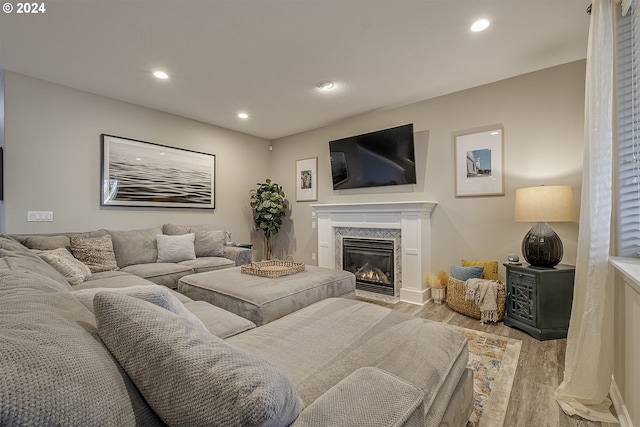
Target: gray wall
(52, 160)
(542, 115)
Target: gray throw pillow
(135, 246)
(95, 252)
(466, 273)
(176, 248)
(155, 294)
(188, 376)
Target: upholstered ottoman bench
(262, 299)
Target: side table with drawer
(539, 299)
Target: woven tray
(272, 268)
(456, 299)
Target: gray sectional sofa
(133, 353)
(137, 253)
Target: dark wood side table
(539, 299)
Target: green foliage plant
(269, 207)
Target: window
(628, 76)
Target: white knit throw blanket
(484, 293)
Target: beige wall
(542, 115)
(52, 160)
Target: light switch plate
(40, 216)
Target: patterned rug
(493, 360)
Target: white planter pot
(438, 294)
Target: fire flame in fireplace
(372, 274)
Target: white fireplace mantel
(413, 219)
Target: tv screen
(375, 159)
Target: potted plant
(269, 207)
(438, 285)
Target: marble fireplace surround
(411, 219)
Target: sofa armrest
(240, 255)
(369, 396)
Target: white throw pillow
(176, 248)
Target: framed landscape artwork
(138, 173)
(306, 180)
(479, 164)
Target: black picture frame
(145, 174)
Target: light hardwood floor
(540, 369)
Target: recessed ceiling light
(161, 75)
(243, 115)
(480, 25)
(325, 85)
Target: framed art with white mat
(307, 180)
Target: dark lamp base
(541, 246)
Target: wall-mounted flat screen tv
(384, 157)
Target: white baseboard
(414, 296)
(623, 415)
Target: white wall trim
(623, 415)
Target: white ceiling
(266, 56)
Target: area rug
(493, 360)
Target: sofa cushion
(219, 322)
(112, 279)
(176, 248)
(135, 246)
(53, 369)
(208, 263)
(188, 376)
(165, 274)
(75, 271)
(46, 243)
(325, 342)
(121, 279)
(368, 397)
(155, 294)
(96, 252)
(17, 258)
(208, 242)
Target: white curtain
(589, 356)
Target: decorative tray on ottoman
(272, 268)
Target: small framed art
(479, 164)
(306, 180)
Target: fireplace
(372, 261)
(408, 224)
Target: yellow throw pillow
(490, 271)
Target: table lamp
(541, 246)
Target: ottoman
(262, 300)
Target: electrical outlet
(313, 256)
(313, 224)
(40, 216)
